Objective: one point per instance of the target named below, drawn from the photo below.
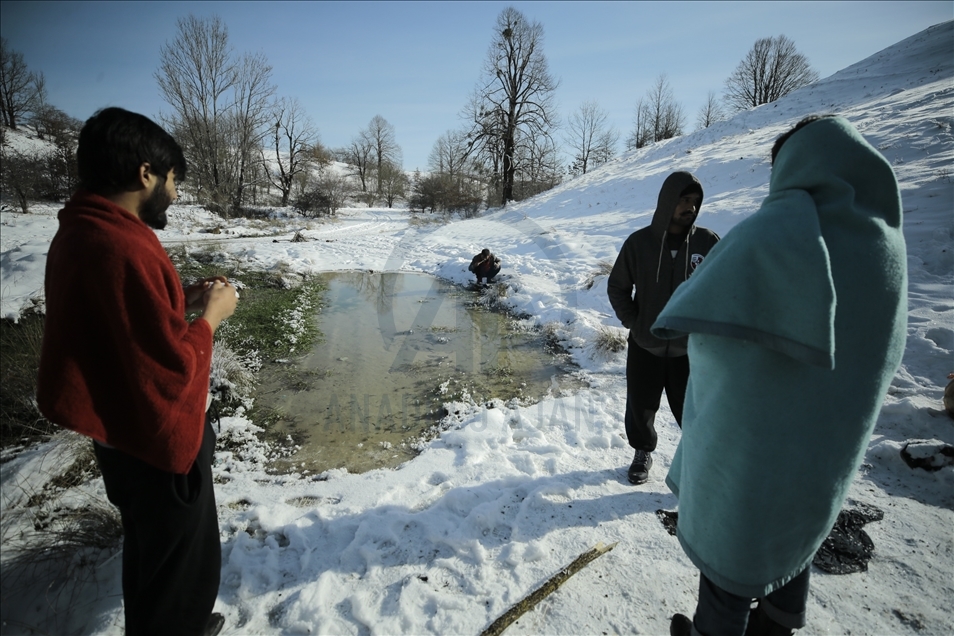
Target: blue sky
(416, 63)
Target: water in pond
(396, 347)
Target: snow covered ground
(508, 496)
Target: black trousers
(721, 613)
(172, 556)
(646, 377)
(487, 273)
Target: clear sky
(416, 63)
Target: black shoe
(639, 469)
(215, 624)
(681, 625)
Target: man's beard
(685, 221)
(152, 212)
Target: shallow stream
(396, 348)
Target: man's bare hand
(219, 300)
(195, 293)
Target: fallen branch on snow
(498, 626)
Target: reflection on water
(396, 348)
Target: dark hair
(114, 143)
(781, 140)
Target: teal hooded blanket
(796, 324)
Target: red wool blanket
(119, 362)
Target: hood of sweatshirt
(672, 189)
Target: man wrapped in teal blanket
(796, 324)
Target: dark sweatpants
(646, 377)
(487, 273)
(721, 613)
(172, 556)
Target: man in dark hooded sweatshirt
(652, 263)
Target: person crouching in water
(485, 266)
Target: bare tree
(451, 186)
(220, 107)
(514, 99)
(21, 176)
(658, 116)
(195, 75)
(22, 91)
(323, 193)
(318, 159)
(337, 187)
(424, 192)
(485, 146)
(359, 155)
(772, 69)
(55, 126)
(449, 154)
(392, 183)
(249, 118)
(379, 135)
(540, 166)
(50, 122)
(640, 135)
(589, 138)
(293, 141)
(320, 155)
(46, 173)
(710, 112)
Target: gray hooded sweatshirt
(646, 274)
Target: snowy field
(509, 495)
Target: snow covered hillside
(511, 494)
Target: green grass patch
(275, 316)
(20, 343)
(275, 319)
(276, 322)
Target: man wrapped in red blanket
(121, 364)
